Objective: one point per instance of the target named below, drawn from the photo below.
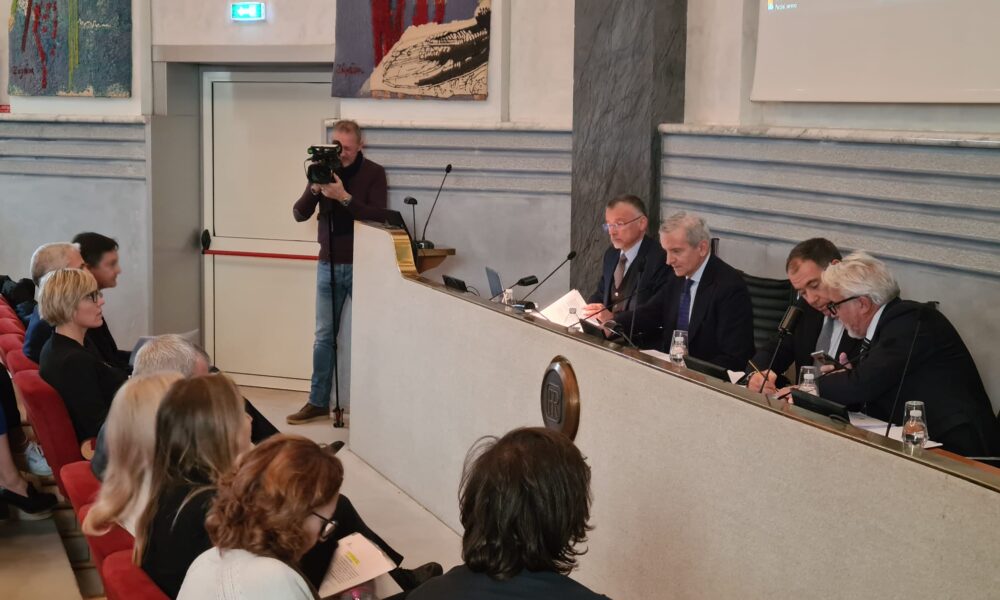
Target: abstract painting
(70, 48)
(412, 49)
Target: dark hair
(93, 246)
(819, 250)
(263, 502)
(525, 503)
(635, 201)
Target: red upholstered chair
(125, 581)
(47, 414)
(80, 484)
(103, 546)
(7, 312)
(11, 325)
(10, 342)
(17, 361)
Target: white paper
(559, 311)
(657, 354)
(356, 561)
(862, 421)
(735, 376)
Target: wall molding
(99, 148)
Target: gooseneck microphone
(640, 267)
(924, 308)
(524, 281)
(413, 203)
(787, 326)
(423, 243)
(569, 257)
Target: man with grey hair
(912, 353)
(46, 259)
(704, 296)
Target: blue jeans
(329, 307)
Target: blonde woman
(70, 301)
(129, 433)
(200, 430)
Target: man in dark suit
(703, 296)
(634, 266)
(816, 329)
(864, 296)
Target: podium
(429, 258)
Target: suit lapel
(702, 298)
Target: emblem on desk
(561, 397)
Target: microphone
(413, 203)
(423, 242)
(787, 326)
(924, 308)
(529, 280)
(888, 343)
(569, 257)
(640, 267)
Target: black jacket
(798, 347)
(720, 329)
(462, 583)
(654, 275)
(84, 381)
(177, 536)
(942, 374)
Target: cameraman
(359, 191)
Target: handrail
(260, 254)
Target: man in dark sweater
(359, 191)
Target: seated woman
(129, 434)
(525, 503)
(70, 301)
(277, 503)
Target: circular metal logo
(561, 397)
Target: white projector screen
(926, 51)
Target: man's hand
(334, 190)
(590, 310)
(842, 359)
(756, 379)
(787, 393)
(603, 316)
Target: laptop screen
(496, 287)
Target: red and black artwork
(412, 49)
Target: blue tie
(684, 312)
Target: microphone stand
(631, 328)
(782, 334)
(909, 355)
(423, 243)
(338, 412)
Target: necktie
(863, 352)
(825, 336)
(620, 271)
(684, 312)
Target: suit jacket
(720, 328)
(798, 347)
(941, 373)
(654, 275)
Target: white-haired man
(704, 296)
(47, 258)
(864, 296)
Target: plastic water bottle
(915, 426)
(678, 347)
(808, 384)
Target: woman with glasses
(276, 504)
(70, 301)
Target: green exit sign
(247, 11)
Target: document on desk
(863, 421)
(356, 561)
(559, 311)
(734, 376)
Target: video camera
(324, 161)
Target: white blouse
(240, 575)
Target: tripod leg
(338, 412)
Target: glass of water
(915, 425)
(678, 346)
(807, 380)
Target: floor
(34, 563)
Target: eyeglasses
(329, 526)
(832, 306)
(608, 227)
(93, 296)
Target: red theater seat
(10, 342)
(47, 415)
(11, 325)
(103, 546)
(17, 361)
(125, 581)
(81, 485)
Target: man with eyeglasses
(704, 296)
(902, 336)
(622, 287)
(817, 330)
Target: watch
(346, 200)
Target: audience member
(908, 338)
(200, 430)
(100, 255)
(706, 297)
(14, 490)
(276, 504)
(525, 503)
(621, 287)
(816, 330)
(130, 429)
(69, 362)
(46, 259)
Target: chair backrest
(10, 342)
(770, 299)
(123, 580)
(16, 361)
(11, 325)
(50, 420)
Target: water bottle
(678, 347)
(574, 319)
(807, 380)
(914, 425)
(508, 297)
